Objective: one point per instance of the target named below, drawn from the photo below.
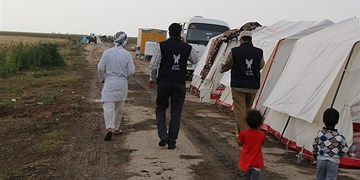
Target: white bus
(197, 31)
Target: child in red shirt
(251, 158)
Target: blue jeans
(327, 170)
(176, 94)
(252, 174)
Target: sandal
(108, 136)
(118, 132)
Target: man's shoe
(171, 146)
(118, 132)
(108, 136)
(163, 143)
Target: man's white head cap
(120, 38)
(245, 33)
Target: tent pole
(282, 134)
(343, 74)
(265, 111)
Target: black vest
(245, 72)
(174, 57)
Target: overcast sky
(110, 16)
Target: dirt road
(206, 148)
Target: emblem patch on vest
(249, 71)
(176, 66)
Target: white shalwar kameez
(115, 68)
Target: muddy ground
(64, 139)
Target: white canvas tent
(209, 80)
(269, 40)
(278, 59)
(257, 35)
(196, 79)
(212, 80)
(323, 71)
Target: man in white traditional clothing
(115, 69)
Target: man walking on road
(245, 62)
(115, 69)
(168, 72)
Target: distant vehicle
(92, 38)
(148, 37)
(197, 31)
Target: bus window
(200, 33)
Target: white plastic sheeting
(150, 47)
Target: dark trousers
(176, 94)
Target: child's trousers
(327, 170)
(252, 174)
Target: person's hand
(235, 131)
(151, 84)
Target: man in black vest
(245, 62)
(168, 72)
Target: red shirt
(251, 154)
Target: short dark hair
(247, 38)
(254, 119)
(175, 29)
(331, 117)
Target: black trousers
(176, 94)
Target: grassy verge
(25, 85)
(36, 110)
(16, 57)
